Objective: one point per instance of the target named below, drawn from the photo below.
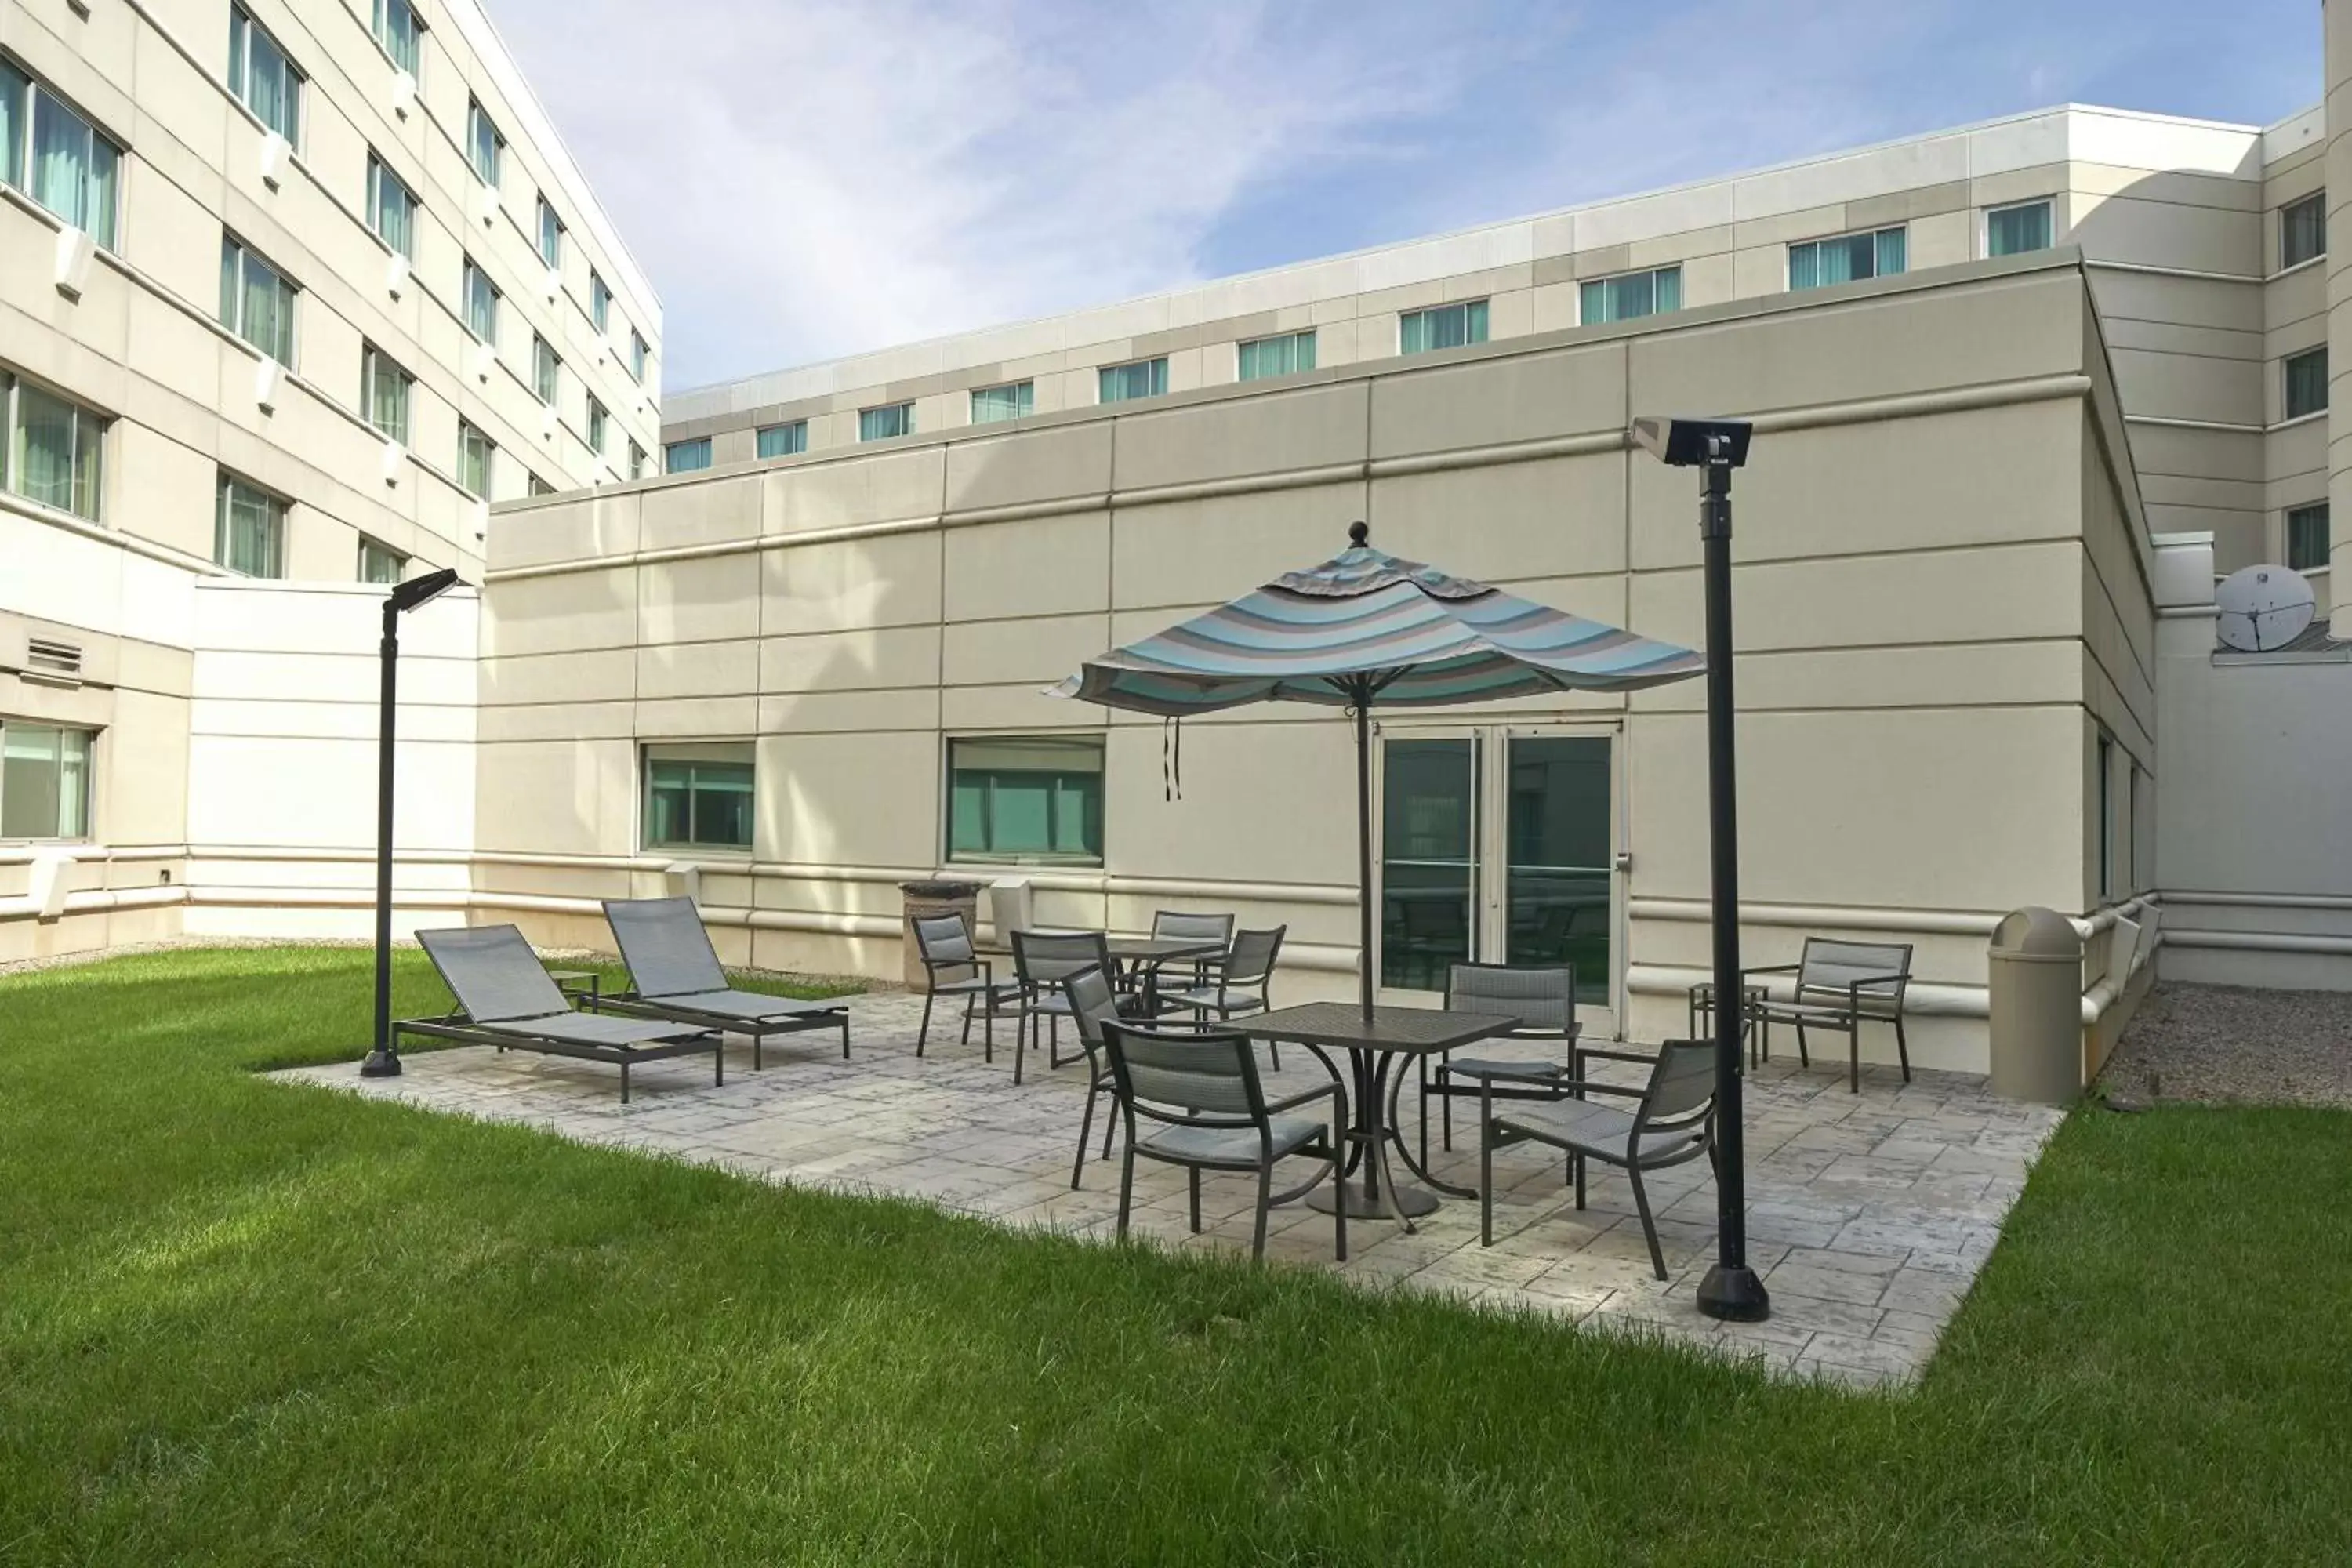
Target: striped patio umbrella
(1368, 630)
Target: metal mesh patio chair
(1840, 987)
(1543, 1002)
(1044, 960)
(1672, 1121)
(944, 945)
(1201, 1106)
(1182, 925)
(677, 975)
(506, 999)
(1235, 987)
(1093, 1004)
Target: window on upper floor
(637, 353)
(249, 528)
(56, 157)
(479, 302)
(262, 78)
(2303, 230)
(546, 370)
(401, 34)
(476, 455)
(600, 301)
(1818, 263)
(381, 562)
(1013, 400)
(485, 148)
(1286, 353)
(52, 451)
(684, 457)
(2015, 230)
(637, 461)
(2306, 537)
(783, 440)
(1442, 327)
(1025, 797)
(2306, 382)
(384, 391)
(698, 797)
(1126, 383)
(257, 303)
(551, 233)
(1629, 297)
(538, 486)
(391, 208)
(882, 424)
(44, 780)
(598, 427)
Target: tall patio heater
(1731, 1289)
(383, 1061)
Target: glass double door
(1497, 844)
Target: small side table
(1702, 1011)
(584, 983)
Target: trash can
(924, 899)
(2036, 964)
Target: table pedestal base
(1412, 1201)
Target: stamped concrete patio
(1869, 1215)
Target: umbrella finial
(1359, 534)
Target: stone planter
(924, 899)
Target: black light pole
(383, 1061)
(1731, 1289)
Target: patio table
(1146, 953)
(1373, 1045)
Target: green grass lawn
(247, 1322)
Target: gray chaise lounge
(676, 975)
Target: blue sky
(817, 178)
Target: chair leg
(1021, 1032)
(923, 1035)
(1194, 1172)
(844, 1037)
(1086, 1135)
(718, 1059)
(987, 1034)
(1648, 1227)
(1485, 1163)
(1853, 1056)
(1126, 1187)
(1578, 1161)
(625, 1083)
(1902, 1048)
(1265, 1202)
(1804, 1055)
(1340, 1209)
(1110, 1128)
(1420, 1066)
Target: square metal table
(1372, 1045)
(1145, 952)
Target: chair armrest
(1581, 1086)
(1772, 969)
(1609, 1056)
(1500, 1069)
(1331, 1091)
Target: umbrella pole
(1364, 847)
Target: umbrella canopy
(1366, 628)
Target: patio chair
(1841, 985)
(675, 973)
(1179, 925)
(1236, 985)
(1208, 1112)
(506, 999)
(1543, 1002)
(943, 946)
(1044, 960)
(1672, 1122)
(1093, 1004)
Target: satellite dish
(2263, 608)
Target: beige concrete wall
(1932, 499)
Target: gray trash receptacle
(925, 899)
(2036, 963)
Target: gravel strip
(2233, 1043)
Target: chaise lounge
(675, 975)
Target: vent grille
(51, 657)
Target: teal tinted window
(699, 796)
(1125, 383)
(2014, 231)
(783, 440)
(1444, 327)
(1025, 797)
(1284, 355)
(1820, 263)
(1013, 400)
(2306, 537)
(684, 457)
(1629, 298)
(882, 424)
(2307, 383)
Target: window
(2306, 382)
(384, 395)
(2014, 231)
(637, 353)
(2303, 230)
(545, 368)
(597, 427)
(1025, 797)
(1014, 400)
(391, 208)
(381, 562)
(485, 148)
(50, 154)
(540, 486)
(1630, 296)
(1124, 383)
(249, 529)
(684, 457)
(699, 796)
(475, 452)
(783, 440)
(1284, 355)
(2105, 764)
(480, 304)
(600, 301)
(637, 461)
(43, 781)
(55, 452)
(881, 423)
(1444, 327)
(2306, 537)
(550, 234)
(262, 79)
(400, 33)
(1817, 263)
(256, 303)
